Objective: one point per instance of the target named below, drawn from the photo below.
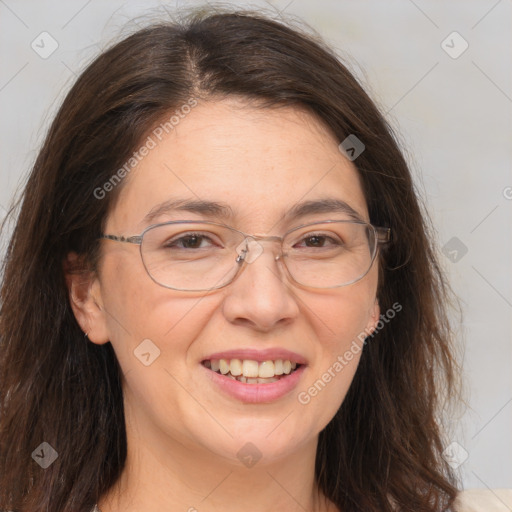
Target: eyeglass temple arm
(383, 235)
(131, 239)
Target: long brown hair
(383, 449)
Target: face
(261, 164)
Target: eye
(318, 240)
(190, 241)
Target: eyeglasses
(202, 255)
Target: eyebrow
(327, 205)
(206, 208)
(215, 209)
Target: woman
(220, 292)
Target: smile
(255, 377)
(249, 371)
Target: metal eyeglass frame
(382, 236)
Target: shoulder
(484, 500)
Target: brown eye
(189, 241)
(319, 241)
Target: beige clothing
(471, 500)
(485, 500)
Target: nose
(261, 296)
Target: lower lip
(257, 393)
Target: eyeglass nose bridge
(250, 248)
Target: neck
(162, 473)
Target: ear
(84, 291)
(374, 317)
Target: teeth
(235, 367)
(250, 371)
(224, 366)
(264, 381)
(250, 368)
(266, 369)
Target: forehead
(260, 162)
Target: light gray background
(453, 116)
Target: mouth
(255, 376)
(250, 371)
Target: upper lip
(270, 354)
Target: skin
(183, 434)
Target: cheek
(340, 333)
(152, 330)
(342, 317)
(137, 310)
(340, 325)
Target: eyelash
(171, 243)
(202, 236)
